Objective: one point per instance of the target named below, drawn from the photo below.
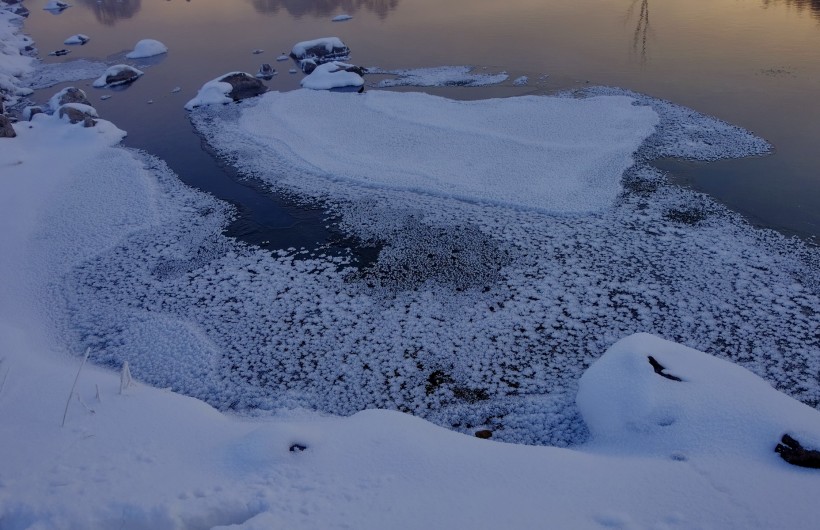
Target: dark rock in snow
(297, 448)
(244, 86)
(795, 454)
(484, 434)
(29, 112)
(60, 53)
(6, 129)
(660, 370)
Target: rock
(244, 86)
(484, 434)
(795, 454)
(120, 74)
(297, 448)
(266, 71)
(69, 95)
(660, 370)
(6, 129)
(79, 113)
(334, 75)
(60, 53)
(21, 10)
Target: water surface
(755, 63)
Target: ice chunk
(79, 38)
(341, 18)
(147, 48)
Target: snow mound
(147, 48)
(532, 152)
(439, 76)
(332, 75)
(79, 38)
(650, 396)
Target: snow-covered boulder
(653, 397)
(233, 86)
(334, 75)
(119, 74)
(147, 48)
(79, 38)
(79, 113)
(318, 51)
(56, 5)
(341, 18)
(68, 95)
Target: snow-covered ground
(476, 314)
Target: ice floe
(147, 48)
(439, 76)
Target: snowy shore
(103, 247)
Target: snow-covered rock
(234, 86)
(119, 74)
(334, 75)
(147, 48)
(15, 61)
(78, 113)
(341, 18)
(56, 5)
(319, 51)
(79, 38)
(653, 397)
(68, 95)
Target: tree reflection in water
(323, 8)
(812, 5)
(108, 12)
(641, 33)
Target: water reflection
(641, 33)
(812, 5)
(108, 12)
(324, 8)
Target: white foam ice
(439, 76)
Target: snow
(147, 48)
(103, 247)
(114, 70)
(341, 18)
(439, 76)
(521, 81)
(282, 57)
(332, 75)
(552, 154)
(14, 63)
(48, 75)
(77, 39)
(329, 43)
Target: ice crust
(15, 63)
(439, 76)
(48, 75)
(473, 314)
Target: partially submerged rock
(119, 74)
(147, 48)
(234, 86)
(79, 113)
(60, 53)
(266, 71)
(78, 39)
(56, 5)
(312, 53)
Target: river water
(754, 63)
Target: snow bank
(332, 75)
(14, 63)
(557, 155)
(147, 48)
(439, 76)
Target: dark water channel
(755, 63)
